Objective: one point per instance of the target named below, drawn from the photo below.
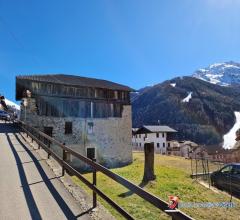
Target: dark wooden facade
(62, 99)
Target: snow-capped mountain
(223, 74)
(205, 113)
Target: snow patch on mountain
(223, 74)
(187, 99)
(173, 84)
(216, 65)
(229, 138)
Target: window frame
(68, 128)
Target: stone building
(88, 115)
(187, 149)
(152, 134)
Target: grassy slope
(172, 179)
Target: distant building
(152, 134)
(186, 149)
(173, 148)
(88, 115)
(226, 156)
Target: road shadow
(33, 209)
(9, 127)
(60, 201)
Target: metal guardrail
(37, 136)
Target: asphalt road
(28, 187)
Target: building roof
(158, 128)
(155, 129)
(75, 81)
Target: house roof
(75, 81)
(158, 128)
(155, 129)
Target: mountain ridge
(205, 118)
(223, 74)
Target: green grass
(173, 178)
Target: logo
(173, 202)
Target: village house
(159, 135)
(226, 155)
(173, 148)
(186, 149)
(91, 116)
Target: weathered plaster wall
(111, 136)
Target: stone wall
(111, 137)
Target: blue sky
(133, 42)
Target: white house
(152, 134)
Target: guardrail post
(49, 145)
(64, 158)
(95, 184)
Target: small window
(139, 135)
(157, 135)
(158, 144)
(163, 144)
(91, 153)
(48, 131)
(90, 127)
(163, 135)
(140, 144)
(145, 135)
(68, 127)
(168, 144)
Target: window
(90, 127)
(163, 135)
(158, 144)
(145, 135)
(168, 144)
(157, 135)
(236, 170)
(91, 153)
(140, 144)
(163, 144)
(48, 131)
(68, 127)
(226, 169)
(139, 135)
